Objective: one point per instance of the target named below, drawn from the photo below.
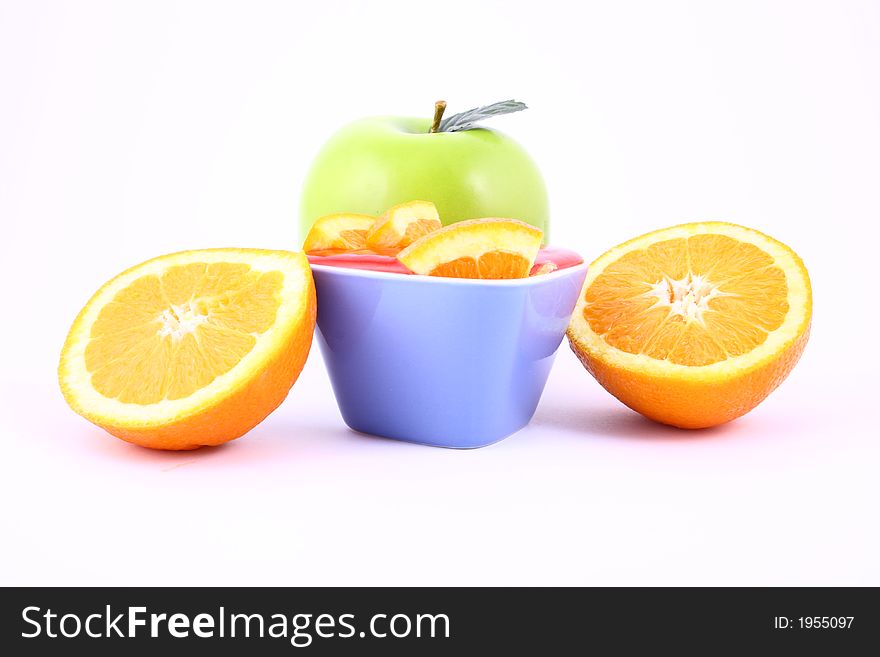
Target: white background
(128, 130)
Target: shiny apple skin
(375, 163)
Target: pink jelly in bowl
(562, 258)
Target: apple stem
(439, 108)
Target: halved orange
(693, 325)
(338, 232)
(476, 248)
(402, 225)
(191, 349)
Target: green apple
(468, 172)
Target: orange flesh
(492, 264)
(381, 241)
(693, 301)
(166, 337)
(417, 229)
(353, 239)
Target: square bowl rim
(442, 280)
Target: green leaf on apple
(469, 119)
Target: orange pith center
(492, 264)
(166, 336)
(690, 301)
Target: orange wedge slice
(693, 325)
(339, 232)
(402, 225)
(477, 248)
(191, 349)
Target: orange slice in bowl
(476, 248)
(402, 225)
(339, 232)
(693, 325)
(191, 349)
